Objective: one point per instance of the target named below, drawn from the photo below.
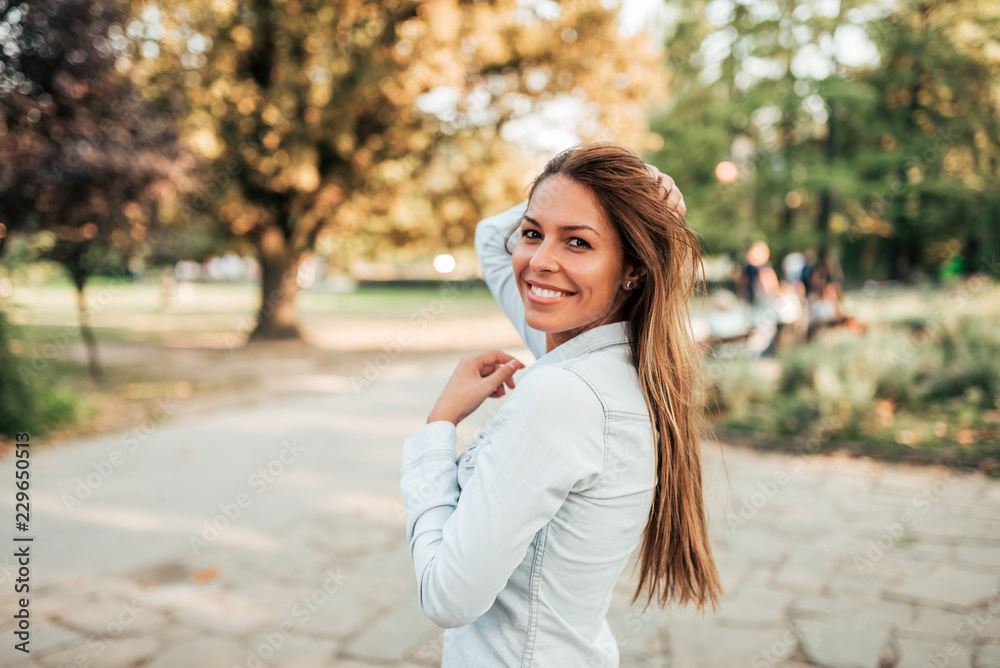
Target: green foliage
(891, 163)
(897, 389)
(30, 401)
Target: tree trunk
(278, 317)
(825, 196)
(86, 333)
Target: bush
(931, 390)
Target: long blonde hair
(676, 557)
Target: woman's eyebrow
(563, 227)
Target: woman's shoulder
(609, 372)
(551, 384)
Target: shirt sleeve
(495, 263)
(546, 441)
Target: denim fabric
(517, 544)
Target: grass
(134, 312)
(190, 351)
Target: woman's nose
(543, 258)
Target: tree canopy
(347, 127)
(870, 134)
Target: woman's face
(568, 261)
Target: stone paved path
(273, 536)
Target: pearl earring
(629, 285)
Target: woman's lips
(548, 296)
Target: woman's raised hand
(475, 378)
(673, 194)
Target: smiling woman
(517, 547)
(568, 262)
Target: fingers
(496, 369)
(676, 200)
(488, 362)
(675, 197)
(503, 375)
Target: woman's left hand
(475, 378)
(675, 197)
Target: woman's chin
(549, 325)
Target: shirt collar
(613, 333)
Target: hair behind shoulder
(676, 561)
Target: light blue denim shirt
(517, 544)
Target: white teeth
(547, 293)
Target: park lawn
(153, 355)
(134, 311)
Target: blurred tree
(345, 127)
(804, 98)
(83, 158)
(929, 153)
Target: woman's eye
(525, 233)
(582, 244)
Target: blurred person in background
(758, 284)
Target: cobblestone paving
(273, 536)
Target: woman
(518, 544)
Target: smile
(543, 296)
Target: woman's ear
(634, 272)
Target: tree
(347, 126)
(83, 158)
(931, 160)
(808, 102)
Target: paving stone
(640, 636)
(392, 565)
(292, 568)
(985, 621)
(953, 530)
(214, 610)
(106, 653)
(406, 624)
(270, 594)
(756, 545)
(934, 624)
(897, 557)
(111, 619)
(356, 603)
(732, 572)
(200, 651)
(804, 571)
(977, 556)
(988, 655)
(44, 637)
(842, 644)
(291, 651)
(919, 654)
(340, 536)
(947, 585)
(699, 645)
(847, 580)
(879, 613)
(754, 605)
(52, 602)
